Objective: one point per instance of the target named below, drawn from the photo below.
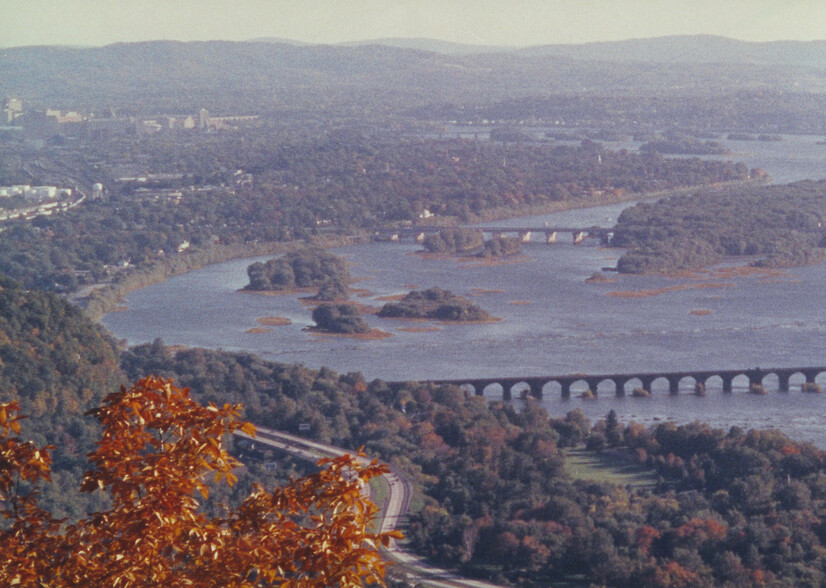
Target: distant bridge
(523, 233)
(697, 379)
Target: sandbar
(274, 321)
(666, 290)
(391, 298)
(419, 329)
(371, 335)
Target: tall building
(12, 108)
(203, 118)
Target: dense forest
(779, 225)
(727, 508)
(298, 187)
(57, 364)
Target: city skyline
(479, 22)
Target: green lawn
(611, 465)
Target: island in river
(304, 268)
(435, 303)
(775, 226)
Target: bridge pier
(620, 386)
(507, 393)
(727, 383)
(550, 236)
(783, 381)
(579, 237)
(420, 237)
(674, 385)
(525, 236)
(566, 390)
(536, 389)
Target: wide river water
(552, 321)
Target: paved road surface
(417, 570)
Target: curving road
(417, 571)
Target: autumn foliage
(157, 452)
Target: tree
(157, 450)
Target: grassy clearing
(612, 466)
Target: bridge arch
(659, 385)
(552, 389)
(606, 386)
(715, 382)
(470, 390)
(493, 391)
(740, 382)
(796, 380)
(520, 389)
(685, 383)
(770, 381)
(630, 384)
(580, 387)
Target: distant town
(40, 127)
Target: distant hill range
(672, 49)
(276, 73)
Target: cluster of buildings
(44, 124)
(34, 192)
(150, 126)
(40, 200)
(12, 108)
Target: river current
(552, 320)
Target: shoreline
(108, 297)
(105, 299)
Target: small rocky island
(435, 303)
(339, 318)
(309, 267)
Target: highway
(413, 567)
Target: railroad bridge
(535, 385)
(524, 233)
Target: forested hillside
(57, 364)
(728, 508)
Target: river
(552, 321)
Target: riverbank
(108, 297)
(605, 199)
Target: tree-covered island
(781, 226)
(435, 303)
(470, 242)
(305, 268)
(343, 318)
(673, 142)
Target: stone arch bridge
(525, 233)
(535, 385)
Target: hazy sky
(493, 22)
